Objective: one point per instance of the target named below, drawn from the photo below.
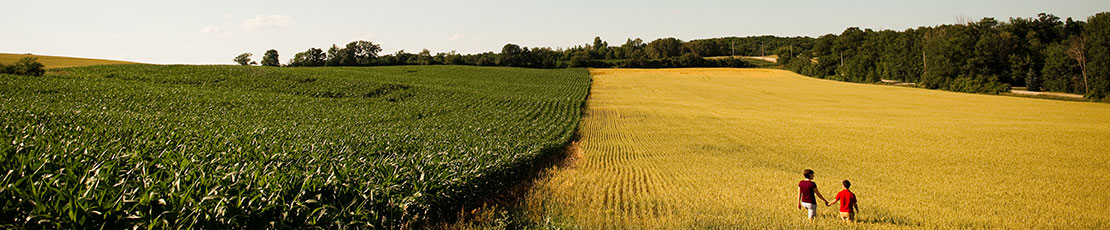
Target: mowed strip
(707, 148)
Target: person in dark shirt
(806, 191)
(847, 199)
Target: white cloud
(464, 37)
(268, 22)
(229, 15)
(213, 30)
(677, 11)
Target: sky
(214, 32)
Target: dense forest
(1042, 53)
(635, 53)
(986, 56)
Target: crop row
(223, 146)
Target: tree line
(634, 53)
(1042, 53)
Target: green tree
(664, 48)
(847, 52)
(453, 58)
(28, 66)
(899, 57)
(599, 44)
(700, 47)
(335, 56)
(599, 49)
(270, 58)
(311, 57)
(403, 58)
(632, 47)
(486, 59)
(635, 60)
(992, 50)
(316, 57)
(544, 58)
(360, 53)
(785, 54)
(1033, 81)
(511, 55)
(1061, 72)
(581, 59)
(1096, 42)
(243, 59)
(690, 60)
(298, 60)
(827, 58)
(424, 57)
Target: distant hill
(52, 62)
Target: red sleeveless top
(807, 188)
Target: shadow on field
(507, 208)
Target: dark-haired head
(808, 174)
(847, 184)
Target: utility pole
(924, 64)
(762, 52)
(733, 46)
(839, 70)
(924, 61)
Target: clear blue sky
(198, 32)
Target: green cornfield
(180, 146)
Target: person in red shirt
(847, 199)
(806, 191)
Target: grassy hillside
(234, 146)
(725, 148)
(53, 62)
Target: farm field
(725, 148)
(53, 62)
(233, 146)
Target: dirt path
(770, 59)
(1053, 94)
(773, 59)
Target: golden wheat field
(52, 62)
(725, 148)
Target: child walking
(847, 199)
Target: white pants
(811, 208)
